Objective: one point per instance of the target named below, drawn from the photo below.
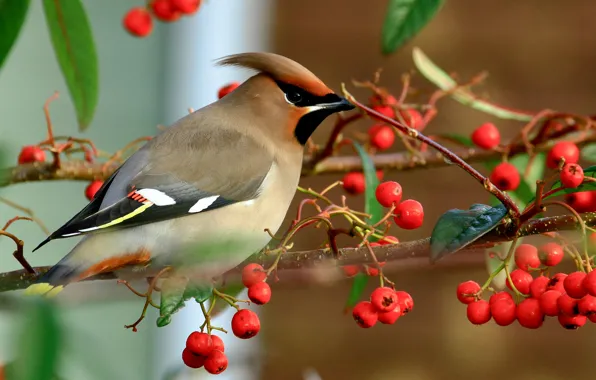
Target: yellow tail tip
(43, 289)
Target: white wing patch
(72, 234)
(89, 229)
(203, 204)
(158, 198)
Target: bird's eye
(293, 97)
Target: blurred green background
(539, 54)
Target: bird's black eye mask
(310, 121)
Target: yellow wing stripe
(43, 289)
(127, 216)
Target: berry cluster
(385, 305)
(205, 350)
(571, 298)
(138, 21)
(382, 136)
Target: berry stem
(447, 154)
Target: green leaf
(442, 80)
(75, 50)
(371, 207)
(588, 152)
(456, 229)
(175, 291)
(12, 17)
(39, 342)
(404, 19)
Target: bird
(203, 192)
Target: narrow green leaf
(371, 207)
(404, 19)
(456, 229)
(442, 80)
(39, 342)
(175, 291)
(12, 17)
(75, 50)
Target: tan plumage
(222, 175)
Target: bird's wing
(174, 175)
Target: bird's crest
(279, 68)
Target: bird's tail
(53, 281)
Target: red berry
(373, 272)
(505, 176)
(388, 240)
(382, 137)
(582, 201)
(557, 283)
(138, 22)
(227, 89)
(503, 312)
(478, 312)
(389, 317)
(466, 291)
(405, 300)
(526, 256)
(389, 193)
(486, 136)
(245, 324)
(218, 344)
(186, 6)
(538, 286)
(572, 322)
(364, 314)
(574, 285)
(92, 189)
(354, 183)
(563, 149)
(382, 99)
(572, 175)
(216, 362)
(528, 314)
(500, 296)
(385, 110)
(191, 359)
(587, 305)
(199, 343)
(384, 299)
(253, 273)
(31, 153)
(551, 254)
(165, 11)
(568, 305)
(592, 318)
(522, 280)
(260, 293)
(409, 215)
(351, 270)
(590, 283)
(412, 118)
(548, 302)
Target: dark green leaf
(175, 291)
(75, 50)
(588, 152)
(371, 207)
(455, 229)
(404, 19)
(443, 81)
(12, 17)
(39, 342)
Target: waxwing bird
(218, 177)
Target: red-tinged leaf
(12, 17)
(71, 37)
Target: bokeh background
(539, 55)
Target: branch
(403, 254)
(84, 171)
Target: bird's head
(285, 93)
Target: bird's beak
(341, 104)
